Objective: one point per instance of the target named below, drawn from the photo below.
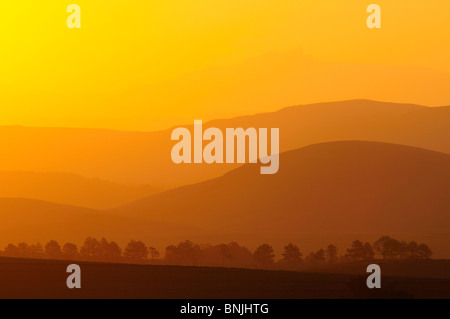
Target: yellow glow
(100, 75)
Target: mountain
(71, 189)
(144, 157)
(349, 187)
(31, 221)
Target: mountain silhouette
(144, 157)
(29, 220)
(71, 189)
(336, 187)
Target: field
(27, 278)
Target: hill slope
(337, 187)
(31, 221)
(71, 189)
(144, 157)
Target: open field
(27, 278)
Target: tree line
(226, 255)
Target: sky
(152, 64)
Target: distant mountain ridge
(328, 192)
(71, 189)
(144, 157)
(346, 187)
(32, 221)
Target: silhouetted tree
(225, 253)
(418, 251)
(154, 253)
(109, 251)
(264, 255)
(37, 251)
(12, 250)
(24, 250)
(53, 249)
(240, 255)
(360, 251)
(70, 251)
(331, 254)
(316, 258)
(389, 248)
(90, 249)
(188, 252)
(171, 254)
(135, 251)
(231, 254)
(292, 256)
(31, 251)
(369, 254)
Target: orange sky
(145, 65)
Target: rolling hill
(351, 187)
(31, 221)
(330, 192)
(71, 189)
(144, 157)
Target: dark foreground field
(25, 278)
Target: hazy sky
(117, 71)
